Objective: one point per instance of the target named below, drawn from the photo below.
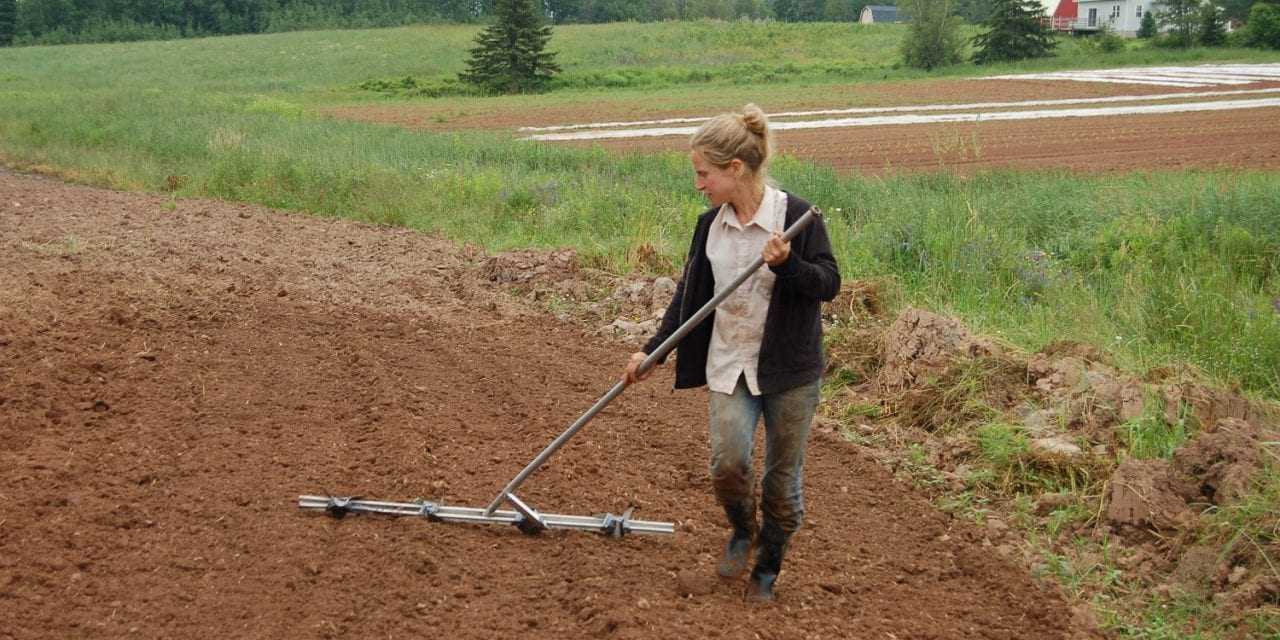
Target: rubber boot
(742, 516)
(772, 546)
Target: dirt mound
(1077, 414)
(1070, 348)
(1207, 405)
(172, 379)
(627, 307)
(937, 375)
(526, 265)
(1083, 393)
(1219, 466)
(858, 301)
(1144, 494)
(855, 323)
(921, 344)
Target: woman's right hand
(633, 375)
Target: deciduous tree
(1181, 17)
(786, 10)
(844, 10)
(933, 37)
(1263, 29)
(811, 10)
(8, 21)
(510, 56)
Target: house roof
(1066, 9)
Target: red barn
(1064, 15)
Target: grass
(1153, 267)
(682, 58)
(1002, 445)
(1151, 435)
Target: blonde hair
(741, 136)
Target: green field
(1162, 268)
(1151, 267)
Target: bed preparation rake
(522, 516)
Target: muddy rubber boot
(736, 554)
(760, 587)
(772, 546)
(738, 550)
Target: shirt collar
(766, 216)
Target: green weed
(1060, 520)
(1250, 526)
(861, 410)
(1086, 568)
(1002, 444)
(1150, 435)
(1181, 617)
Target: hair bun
(755, 120)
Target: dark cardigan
(791, 350)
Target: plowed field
(1245, 137)
(173, 377)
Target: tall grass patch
(1152, 267)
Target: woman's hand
(776, 251)
(632, 375)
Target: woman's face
(718, 184)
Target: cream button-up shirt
(739, 321)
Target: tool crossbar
(434, 511)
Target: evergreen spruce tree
(1016, 30)
(8, 21)
(1213, 33)
(509, 56)
(1148, 27)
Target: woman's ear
(738, 167)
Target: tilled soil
(173, 376)
(1247, 138)
(433, 117)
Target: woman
(760, 353)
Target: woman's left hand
(776, 251)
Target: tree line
(71, 21)
(1016, 30)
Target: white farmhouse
(1120, 16)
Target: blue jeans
(787, 418)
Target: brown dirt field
(435, 116)
(1244, 138)
(1247, 138)
(172, 380)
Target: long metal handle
(662, 350)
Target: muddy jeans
(787, 417)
